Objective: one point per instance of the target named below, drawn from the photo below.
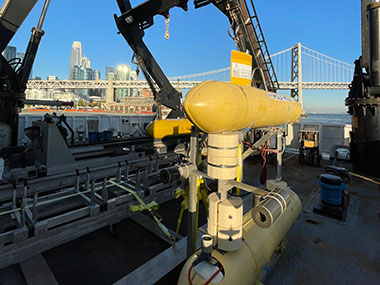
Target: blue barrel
(108, 135)
(92, 136)
(331, 189)
(101, 136)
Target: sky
(198, 38)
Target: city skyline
(80, 69)
(198, 38)
(76, 59)
(83, 71)
(80, 66)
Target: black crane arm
(131, 25)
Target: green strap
(137, 197)
(145, 207)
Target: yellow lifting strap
(151, 207)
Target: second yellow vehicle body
(159, 129)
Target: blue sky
(198, 38)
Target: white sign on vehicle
(241, 70)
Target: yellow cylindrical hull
(217, 107)
(244, 265)
(159, 129)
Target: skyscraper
(96, 74)
(82, 73)
(134, 76)
(111, 73)
(9, 53)
(21, 56)
(76, 57)
(123, 73)
(85, 62)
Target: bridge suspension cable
(316, 68)
(218, 73)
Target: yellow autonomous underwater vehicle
(216, 106)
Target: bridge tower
(297, 72)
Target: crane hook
(167, 21)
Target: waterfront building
(54, 95)
(132, 105)
(146, 92)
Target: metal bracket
(259, 143)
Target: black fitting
(169, 175)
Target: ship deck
(319, 249)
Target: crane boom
(12, 15)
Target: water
(340, 119)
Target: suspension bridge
(297, 68)
(319, 71)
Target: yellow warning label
(309, 144)
(241, 68)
